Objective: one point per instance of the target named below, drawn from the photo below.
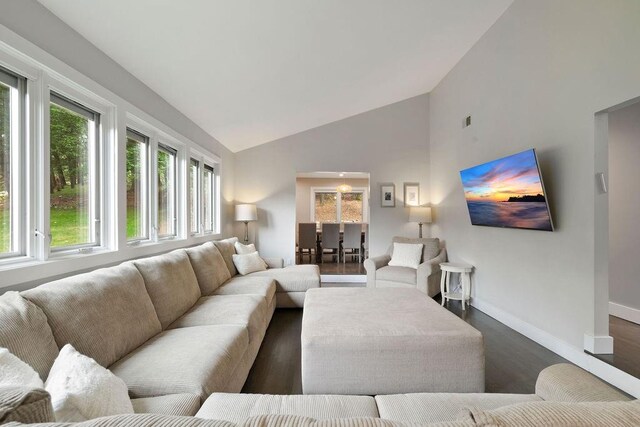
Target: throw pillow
(244, 249)
(81, 389)
(406, 255)
(16, 373)
(249, 263)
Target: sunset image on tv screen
(507, 192)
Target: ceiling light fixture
(344, 187)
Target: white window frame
(212, 161)
(214, 199)
(365, 202)
(18, 167)
(145, 184)
(199, 227)
(105, 213)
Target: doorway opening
(332, 223)
(617, 237)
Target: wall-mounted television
(507, 192)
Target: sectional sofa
(175, 327)
(565, 396)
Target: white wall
(535, 79)
(391, 143)
(624, 206)
(303, 192)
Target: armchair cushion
(397, 274)
(430, 250)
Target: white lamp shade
(420, 214)
(246, 213)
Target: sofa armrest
(274, 262)
(373, 264)
(428, 268)
(568, 383)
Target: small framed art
(388, 195)
(411, 194)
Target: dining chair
(330, 240)
(365, 243)
(352, 239)
(306, 239)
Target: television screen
(507, 192)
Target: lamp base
(246, 232)
(420, 230)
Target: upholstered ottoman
(385, 341)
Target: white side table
(465, 280)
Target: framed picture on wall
(388, 195)
(411, 194)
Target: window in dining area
(333, 206)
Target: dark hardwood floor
(626, 346)
(512, 360)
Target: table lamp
(246, 213)
(421, 215)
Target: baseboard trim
(598, 344)
(624, 312)
(343, 278)
(608, 373)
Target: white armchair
(425, 278)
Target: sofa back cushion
(209, 266)
(104, 314)
(227, 249)
(430, 250)
(24, 331)
(171, 284)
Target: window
(74, 163)
(137, 186)
(329, 205)
(208, 199)
(194, 196)
(166, 223)
(11, 213)
(326, 206)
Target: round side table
(465, 280)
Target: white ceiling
(347, 175)
(249, 72)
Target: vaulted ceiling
(252, 71)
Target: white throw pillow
(406, 255)
(244, 249)
(249, 263)
(16, 373)
(81, 389)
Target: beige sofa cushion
(26, 333)
(425, 408)
(295, 278)
(171, 284)
(238, 407)
(430, 250)
(184, 404)
(249, 285)
(209, 266)
(249, 311)
(561, 414)
(227, 249)
(103, 314)
(397, 274)
(198, 360)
